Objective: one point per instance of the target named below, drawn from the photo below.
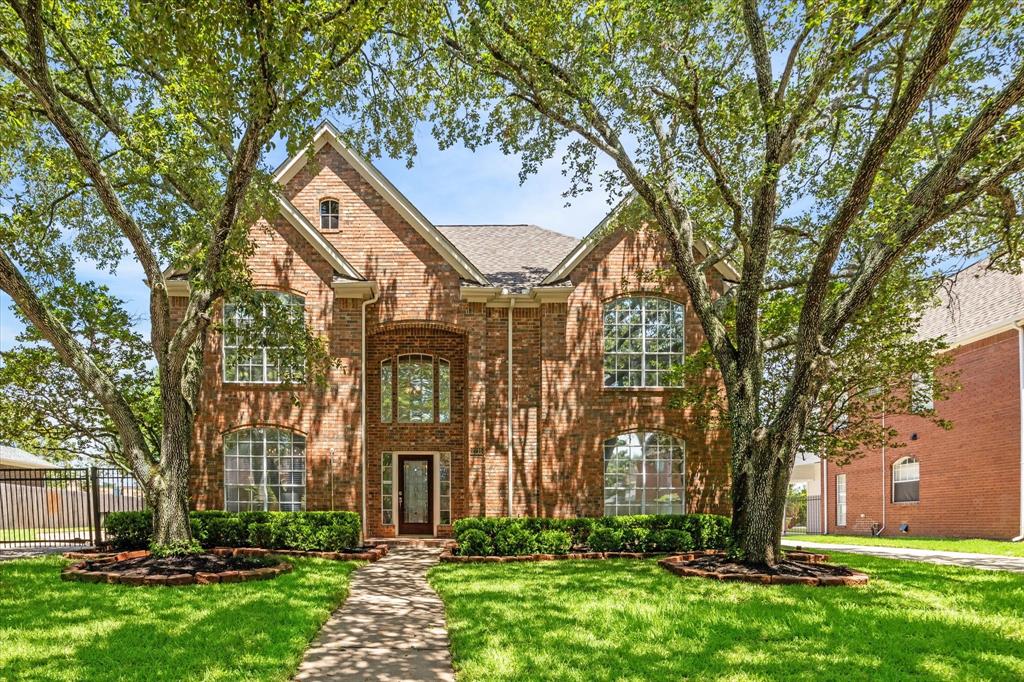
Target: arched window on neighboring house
(643, 340)
(264, 470)
(644, 473)
(330, 218)
(906, 480)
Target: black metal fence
(62, 506)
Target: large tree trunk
(170, 490)
(761, 468)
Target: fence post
(94, 489)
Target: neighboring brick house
(967, 481)
(485, 348)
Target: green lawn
(1000, 547)
(632, 620)
(54, 630)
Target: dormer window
(329, 214)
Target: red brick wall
(970, 475)
(562, 412)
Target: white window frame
(444, 389)
(674, 357)
(675, 465)
(900, 466)
(297, 300)
(336, 215)
(840, 500)
(387, 500)
(251, 435)
(424, 358)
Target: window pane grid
(415, 389)
(906, 476)
(387, 499)
(329, 217)
(444, 468)
(264, 470)
(841, 500)
(257, 365)
(644, 474)
(386, 407)
(643, 341)
(444, 392)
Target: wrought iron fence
(62, 506)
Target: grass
(632, 620)
(30, 534)
(1000, 547)
(54, 630)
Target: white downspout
(1020, 367)
(824, 492)
(884, 491)
(511, 305)
(362, 398)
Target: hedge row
(310, 531)
(503, 536)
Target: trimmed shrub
(129, 529)
(554, 542)
(311, 531)
(474, 542)
(605, 539)
(671, 540)
(514, 541)
(709, 531)
(635, 538)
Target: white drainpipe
(1020, 367)
(884, 491)
(511, 305)
(362, 398)
(824, 492)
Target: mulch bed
(218, 565)
(142, 568)
(796, 568)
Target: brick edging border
(676, 564)
(78, 572)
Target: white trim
(328, 134)
(317, 240)
(177, 287)
(588, 243)
(498, 297)
(1020, 435)
(344, 288)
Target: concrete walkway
(391, 627)
(990, 562)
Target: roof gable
(328, 134)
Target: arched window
(255, 354)
(644, 473)
(906, 480)
(643, 341)
(264, 470)
(444, 391)
(329, 216)
(415, 388)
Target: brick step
(411, 542)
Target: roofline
(317, 241)
(983, 333)
(500, 297)
(327, 133)
(590, 242)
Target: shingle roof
(18, 458)
(976, 299)
(514, 256)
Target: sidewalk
(990, 562)
(391, 627)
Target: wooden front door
(415, 495)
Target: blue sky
(451, 186)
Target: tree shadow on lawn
(633, 620)
(57, 630)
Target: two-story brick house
(477, 370)
(962, 482)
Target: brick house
(508, 369)
(967, 481)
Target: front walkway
(991, 562)
(391, 627)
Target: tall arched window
(254, 346)
(415, 388)
(906, 480)
(644, 473)
(264, 470)
(643, 341)
(329, 216)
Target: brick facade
(970, 475)
(562, 413)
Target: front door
(415, 501)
